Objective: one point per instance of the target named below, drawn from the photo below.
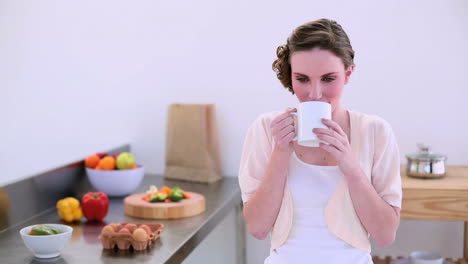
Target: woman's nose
(315, 93)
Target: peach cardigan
(374, 143)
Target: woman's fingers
(286, 130)
(285, 122)
(278, 120)
(282, 128)
(282, 121)
(331, 149)
(332, 140)
(276, 129)
(288, 138)
(282, 116)
(332, 131)
(332, 124)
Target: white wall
(84, 76)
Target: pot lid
(426, 154)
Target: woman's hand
(339, 147)
(283, 131)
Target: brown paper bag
(192, 146)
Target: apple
(125, 161)
(101, 154)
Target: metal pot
(425, 164)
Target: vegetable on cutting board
(165, 194)
(158, 197)
(95, 205)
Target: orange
(135, 167)
(107, 163)
(92, 161)
(98, 168)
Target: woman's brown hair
(324, 34)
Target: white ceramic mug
(425, 257)
(309, 116)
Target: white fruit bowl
(47, 246)
(116, 182)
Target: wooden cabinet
(437, 199)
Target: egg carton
(116, 238)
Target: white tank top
(309, 240)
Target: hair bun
(282, 52)
(282, 68)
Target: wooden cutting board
(136, 207)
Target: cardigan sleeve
(386, 177)
(258, 145)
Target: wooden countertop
(455, 179)
(436, 199)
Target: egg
(116, 227)
(140, 235)
(124, 231)
(131, 227)
(146, 228)
(108, 229)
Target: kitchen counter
(177, 241)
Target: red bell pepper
(95, 205)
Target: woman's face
(318, 75)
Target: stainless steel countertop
(178, 239)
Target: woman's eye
(302, 79)
(328, 79)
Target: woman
(320, 204)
